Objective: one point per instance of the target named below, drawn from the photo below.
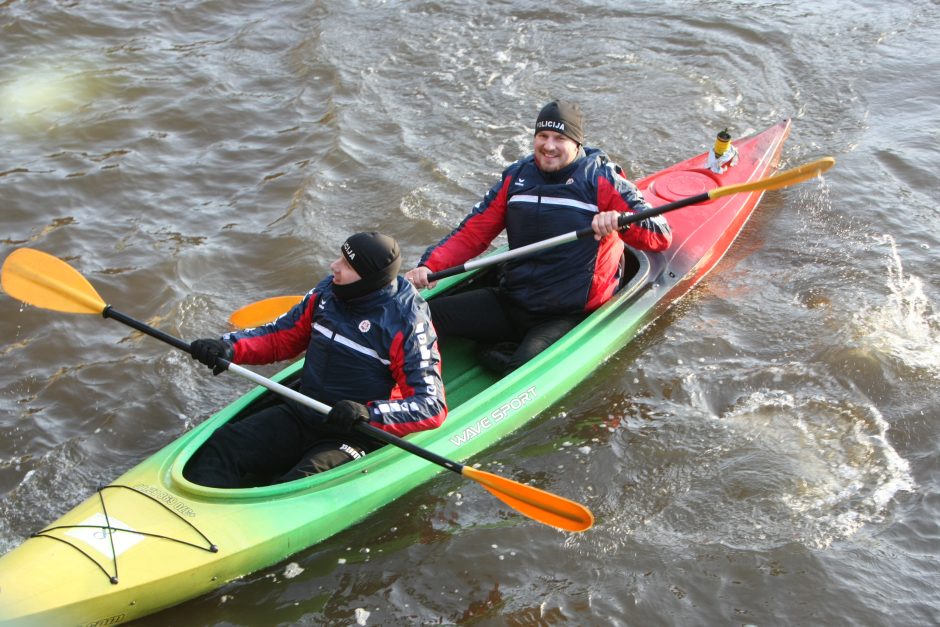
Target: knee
(323, 457)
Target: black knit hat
(562, 117)
(375, 258)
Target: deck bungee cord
(108, 530)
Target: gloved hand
(209, 351)
(345, 415)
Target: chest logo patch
(364, 326)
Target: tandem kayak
(152, 539)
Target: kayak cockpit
(465, 377)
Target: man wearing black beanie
(561, 187)
(374, 257)
(368, 337)
(562, 117)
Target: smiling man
(561, 187)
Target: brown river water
(767, 453)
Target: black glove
(345, 415)
(210, 351)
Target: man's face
(343, 273)
(553, 151)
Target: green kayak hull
(152, 539)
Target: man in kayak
(562, 187)
(371, 353)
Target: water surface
(766, 453)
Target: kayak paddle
(45, 281)
(266, 310)
(777, 181)
(262, 311)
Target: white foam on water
(292, 570)
(59, 481)
(808, 465)
(833, 465)
(906, 326)
(362, 616)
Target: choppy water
(767, 453)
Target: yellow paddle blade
(783, 179)
(263, 311)
(39, 279)
(539, 505)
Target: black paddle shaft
(109, 312)
(388, 438)
(626, 219)
(363, 427)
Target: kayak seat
(634, 269)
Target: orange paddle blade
(783, 179)
(537, 504)
(263, 311)
(41, 280)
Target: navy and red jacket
(531, 206)
(379, 350)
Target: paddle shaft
(283, 390)
(623, 221)
(362, 427)
(110, 312)
(777, 181)
(532, 502)
(259, 312)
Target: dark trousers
(277, 444)
(487, 316)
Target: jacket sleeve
(416, 367)
(474, 234)
(616, 193)
(285, 338)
